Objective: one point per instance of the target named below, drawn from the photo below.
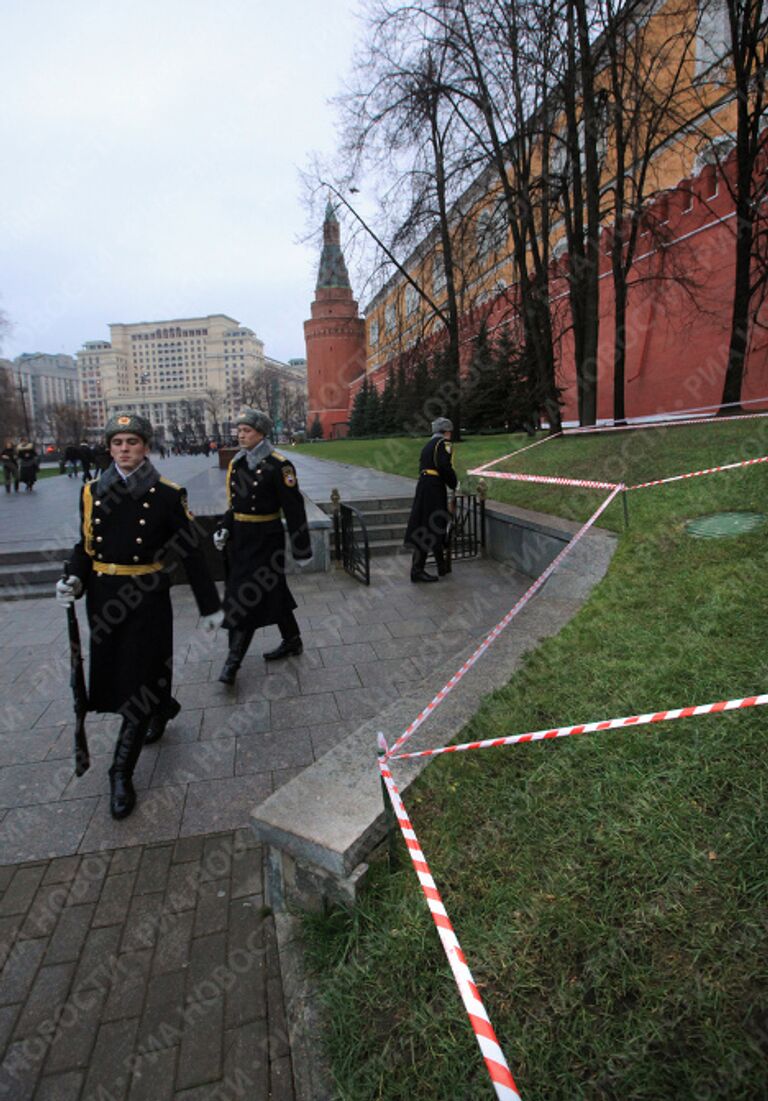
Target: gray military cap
(128, 422)
(256, 419)
(442, 424)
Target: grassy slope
(609, 891)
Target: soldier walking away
(430, 513)
(71, 457)
(261, 483)
(130, 517)
(86, 459)
(10, 466)
(28, 463)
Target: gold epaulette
(168, 482)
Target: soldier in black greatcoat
(130, 517)
(428, 523)
(10, 466)
(261, 483)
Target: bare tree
(734, 66)
(215, 404)
(11, 419)
(64, 423)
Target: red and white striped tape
(699, 473)
(451, 684)
(673, 422)
(545, 479)
(589, 728)
(513, 454)
(495, 1062)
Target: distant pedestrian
(10, 466)
(261, 483)
(71, 459)
(28, 463)
(430, 513)
(130, 517)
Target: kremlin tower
(335, 338)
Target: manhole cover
(724, 523)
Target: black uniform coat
(28, 464)
(256, 591)
(131, 525)
(429, 517)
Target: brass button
(136, 558)
(138, 538)
(142, 522)
(97, 520)
(97, 503)
(99, 539)
(146, 504)
(99, 555)
(152, 490)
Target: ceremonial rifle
(77, 684)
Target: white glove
(220, 539)
(68, 589)
(212, 621)
(302, 563)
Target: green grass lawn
(609, 891)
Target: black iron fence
(467, 531)
(351, 540)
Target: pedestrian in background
(428, 523)
(28, 463)
(261, 483)
(129, 518)
(86, 459)
(10, 466)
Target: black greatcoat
(428, 522)
(131, 526)
(256, 591)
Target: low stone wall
(319, 828)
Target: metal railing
(351, 540)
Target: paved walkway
(137, 957)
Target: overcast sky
(150, 154)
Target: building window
(390, 317)
(412, 299)
(714, 36)
(374, 333)
(491, 231)
(438, 273)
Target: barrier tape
(545, 479)
(699, 473)
(589, 728)
(496, 1064)
(451, 684)
(663, 424)
(494, 462)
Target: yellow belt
(435, 472)
(126, 571)
(248, 518)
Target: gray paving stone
(125, 860)
(286, 713)
(154, 1075)
(20, 1069)
(153, 870)
(200, 1056)
(60, 1087)
(9, 930)
(62, 870)
(22, 889)
(20, 969)
(157, 817)
(129, 985)
(42, 832)
(70, 933)
(202, 761)
(181, 888)
(188, 848)
(268, 686)
(247, 879)
(331, 679)
(98, 958)
(35, 745)
(89, 878)
(207, 957)
(246, 1053)
(383, 673)
(115, 899)
(172, 952)
(44, 912)
(74, 1039)
(284, 749)
(143, 923)
(109, 1070)
(212, 907)
(162, 1022)
(47, 995)
(251, 717)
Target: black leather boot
(287, 648)
(239, 641)
(159, 721)
(129, 742)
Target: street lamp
(420, 290)
(22, 391)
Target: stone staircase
(385, 521)
(31, 574)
